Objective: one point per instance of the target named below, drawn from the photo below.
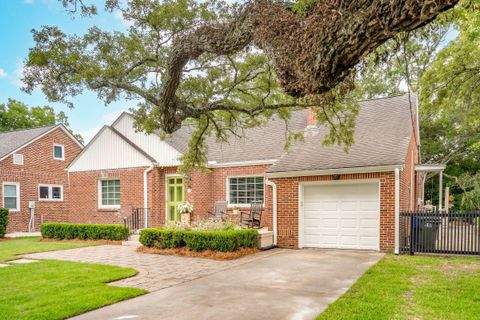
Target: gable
(108, 150)
(161, 151)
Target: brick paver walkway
(155, 271)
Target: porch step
(133, 241)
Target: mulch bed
(208, 254)
(111, 242)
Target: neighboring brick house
(33, 166)
(313, 195)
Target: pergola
(426, 168)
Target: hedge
(59, 230)
(224, 241)
(3, 221)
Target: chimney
(311, 117)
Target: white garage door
(345, 216)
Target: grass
(56, 289)
(9, 249)
(418, 287)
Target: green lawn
(418, 287)
(10, 248)
(56, 289)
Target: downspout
(397, 211)
(145, 192)
(274, 209)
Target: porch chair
(254, 217)
(219, 211)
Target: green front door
(175, 195)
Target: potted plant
(236, 210)
(185, 209)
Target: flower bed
(83, 231)
(224, 237)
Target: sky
(17, 19)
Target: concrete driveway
(292, 284)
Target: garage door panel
(341, 216)
(322, 205)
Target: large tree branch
(310, 54)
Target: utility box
(265, 239)
(31, 204)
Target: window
(50, 192)
(18, 158)
(245, 190)
(11, 196)
(109, 193)
(58, 152)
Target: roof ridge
(387, 97)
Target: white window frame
(17, 185)
(242, 205)
(50, 192)
(107, 206)
(17, 156)
(63, 151)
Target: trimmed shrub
(3, 221)
(160, 238)
(224, 241)
(58, 230)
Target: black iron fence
(440, 232)
(136, 220)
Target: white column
(440, 190)
(397, 211)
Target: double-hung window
(245, 190)
(109, 193)
(11, 196)
(49, 192)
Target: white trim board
(327, 172)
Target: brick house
(33, 173)
(313, 195)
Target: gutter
(145, 192)
(307, 173)
(397, 211)
(274, 209)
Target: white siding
(108, 151)
(164, 154)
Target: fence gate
(440, 232)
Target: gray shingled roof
(259, 143)
(11, 140)
(383, 131)
(382, 134)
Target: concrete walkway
(291, 284)
(155, 271)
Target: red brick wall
(39, 168)
(219, 188)
(84, 196)
(287, 206)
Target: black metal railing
(440, 232)
(135, 221)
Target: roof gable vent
(18, 158)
